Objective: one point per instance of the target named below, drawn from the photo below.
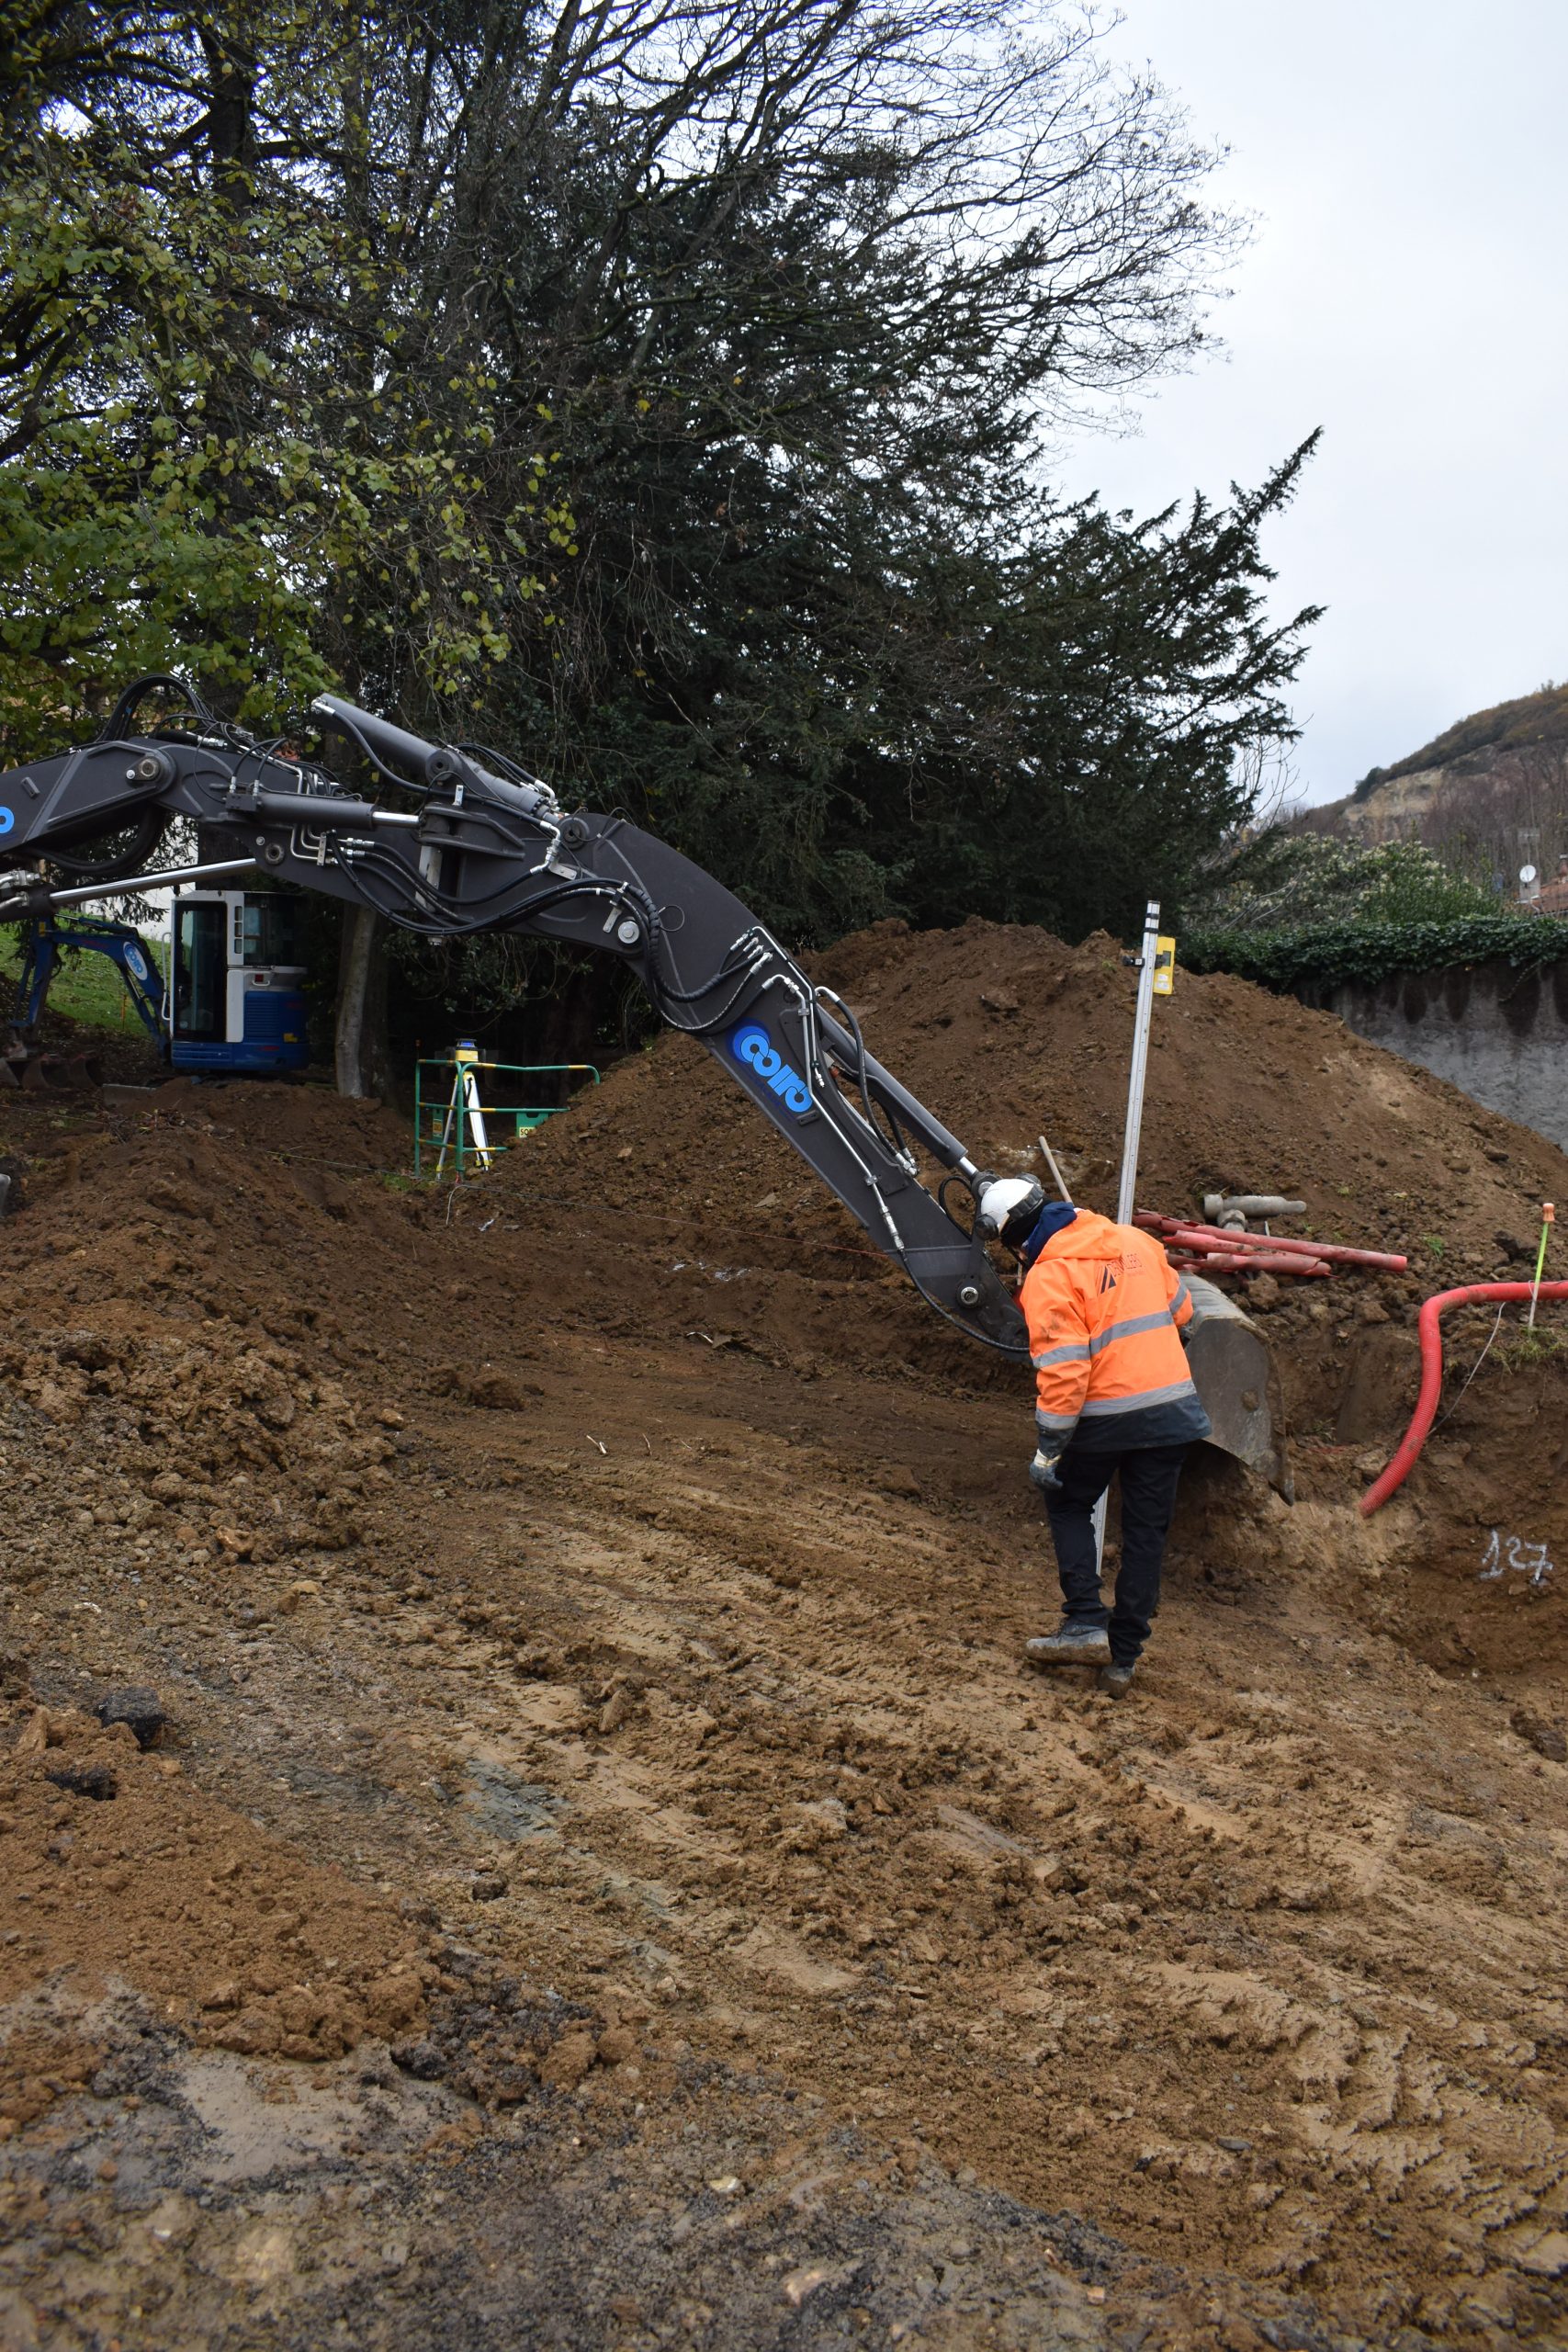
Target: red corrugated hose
(1431, 1338)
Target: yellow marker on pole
(1548, 1220)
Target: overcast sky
(1405, 290)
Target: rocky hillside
(1496, 772)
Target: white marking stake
(1127, 1190)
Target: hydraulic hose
(1431, 1338)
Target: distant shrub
(1289, 880)
(1320, 954)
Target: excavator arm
(449, 840)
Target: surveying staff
(1105, 1312)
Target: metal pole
(1127, 1190)
(1127, 1193)
(171, 876)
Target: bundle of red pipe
(1221, 1249)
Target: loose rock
(96, 1780)
(136, 1705)
(1547, 1738)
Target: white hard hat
(1009, 1208)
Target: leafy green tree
(663, 389)
(226, 445)
(1115, 674)
(232, 441)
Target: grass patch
(1523, 1347)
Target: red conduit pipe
(1431, 1338)
(1333, 1253)
(1211, 1259)
(1186, 1233)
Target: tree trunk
(360, 1044)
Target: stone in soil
(99, 1782)
(138, 1706)
(1547, 1738)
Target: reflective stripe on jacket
(1104, 1310)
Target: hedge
(1326, 953)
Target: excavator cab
(237, 1002)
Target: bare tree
(1490, 816)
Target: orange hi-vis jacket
(1105, 1310)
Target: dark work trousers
(1149, 1478)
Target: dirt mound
(1006, 1033)
(261, 1314)
(306, 1123)
(192, 1297)
(121, 1053)
(696, 1217)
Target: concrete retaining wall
(1500, 1033)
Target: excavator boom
(448, 840)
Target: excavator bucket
(45, 1073)
(44, 1070)
(1236, 1378)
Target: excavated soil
(86, 1810)
(605, 1878)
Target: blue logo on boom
(752, 1045)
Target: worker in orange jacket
(1105, 1311)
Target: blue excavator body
(236, 1005)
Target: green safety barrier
(456, 1125)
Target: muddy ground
(605, 1878)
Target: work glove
(1042, 1471)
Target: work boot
(1072, 1644)
(1116, 1680)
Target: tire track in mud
(1258, 1972)
(823, 1926)
(1216, 1936)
